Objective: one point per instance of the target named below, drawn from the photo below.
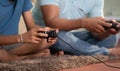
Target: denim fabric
(83, 43)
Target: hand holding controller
(51, 34)
(114, 26)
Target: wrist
(20, 38)
(83, 22)
(34, 26)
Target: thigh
(69, 43)
(82, 35)
(86, 36)
(73, 45)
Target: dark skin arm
(9, 39)
(94, 25)
(108, 31)
(52, 19)
(28, 37)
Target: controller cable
(108, 65)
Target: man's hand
(95, 25)
(109, 30)
(115, 28)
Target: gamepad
(114, 26)
(51, 34)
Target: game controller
(51, 34)
(114, 26)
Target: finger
(118, 25)
(106, 24)
(57, 30)
(101, 24)
(51, 41)
(97, 30)
(114, 21)
(42, 35)
(100, 18)
(40, 29)
(113, 31)
(48, 29)
(37, 40)
(100, 28)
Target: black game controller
(51, 34)
(114, 26)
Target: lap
(85, 36)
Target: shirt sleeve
(97, 10)
(27, 5)
(48, 2)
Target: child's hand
(33, 36)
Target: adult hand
(116, 29)
(95, 25)
(108, 31)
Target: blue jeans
(83, 43)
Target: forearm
(5, 40)
(52, 19)
(64, 24)
(27, 16)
